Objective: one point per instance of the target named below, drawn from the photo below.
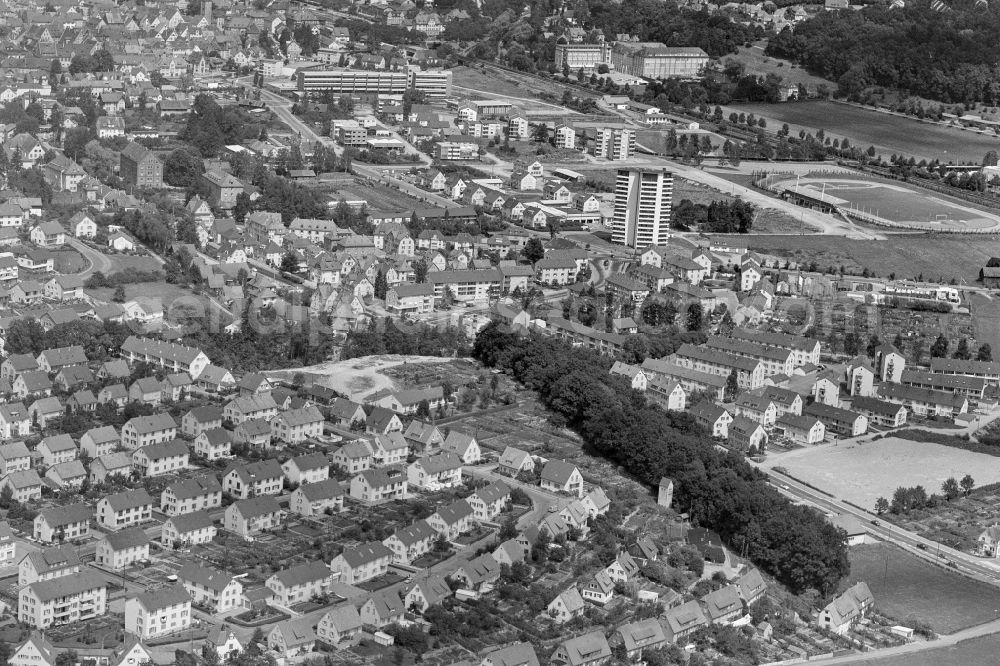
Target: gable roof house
(561, 476)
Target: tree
(290, 263)
(635, 349)
(881, 505)
(419, 270)
(533, 250)
(950, 488)
(119, 295)
(423, 409)
(873, 344)
(381, 285)
(962, 351)
(182, 167)
(940, 347)
(67, 658)
(985, 352)
(694, 317)
(732, 385)
(967, 484)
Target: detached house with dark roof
(361, 563)
(253, 479)
(248, 517)
(563, 477)
(63, 523)
(124, 509)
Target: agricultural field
(905, 255)
(888, 133)
(861, 473)
(908, 588)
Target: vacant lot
(861, 473)
(907, 256)
(907, 587)
(467, 77)
(357, 377)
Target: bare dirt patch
(357, 377)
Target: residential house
(248, 517)
(219, 591)
(479, 574)
(300, 583)
(567, 605)
(245, 480)
(375, 486)
(63, 600)
(62, 523)
(158, 613)
(464, 446)
(339, 626)
(563, 477)
(119, 550)
(124, 509)
(189, 495)
(361, 563)
(590, 649)
(189, 529)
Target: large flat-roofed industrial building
(653, 60)
(582, 56)
(339, 80)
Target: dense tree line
(665, 22)
(384, 337)
(99, 340)
(720, 491)
(950, 56)
(129, 275)
(720, 217)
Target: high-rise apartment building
(643, 199)
(614, 143)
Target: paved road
(98, 261)
(541, 500)
(932, 551)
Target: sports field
(894, 203)
(888, 133)
(861, 473)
